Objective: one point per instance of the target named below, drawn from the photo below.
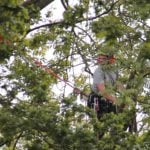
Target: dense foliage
(34, 114)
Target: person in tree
(102, 98)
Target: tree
(32, 114)
(38, 3)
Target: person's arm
(101, 88)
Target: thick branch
(39, 3)
(64, 4)
(46, 25)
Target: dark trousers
(100, 104)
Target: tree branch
(61, 22)
(17, 139)
(46, 25)
(104, 13)
(65, 5)
(39, 3)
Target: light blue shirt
(103, 76)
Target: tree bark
(39, 3)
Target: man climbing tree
(102, 98)
(104, 81)
(30, 116)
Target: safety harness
(100, 104)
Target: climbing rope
(50, 71)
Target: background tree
(32, 114)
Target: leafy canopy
(34, 114)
